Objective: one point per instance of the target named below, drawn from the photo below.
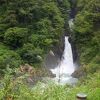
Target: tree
(8, 58)
(16, 37)
(30, 54)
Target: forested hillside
(87, 34)
(28, 29)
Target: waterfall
(66, 67)
(71, 24)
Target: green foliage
(44, 27)
(8, 58)
(87, 33)
(3, 27)
(83, 25)
(30, 54)
(16, 90)
(16, 37)
(32, 27)
(36, 22)
(64, 7)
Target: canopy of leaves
(16, 37)
(32, 26)
(87, 32)
(8, 58)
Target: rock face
(73, 4)
(30, 75)
(53, 57)
(80, 72)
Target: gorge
(49, 49)
(66, 65)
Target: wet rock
(55, 54)
(79, 73)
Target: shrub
(8, 58)
(30, 54)
(17, 90)
(16, 36)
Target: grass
(16, 90)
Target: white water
(66, 67)
(71, 24)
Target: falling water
(66, 67)
(71, 24)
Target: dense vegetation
(30, 28)
(16, 90)
(87, 34)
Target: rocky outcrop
(79, 73)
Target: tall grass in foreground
(11, 89)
